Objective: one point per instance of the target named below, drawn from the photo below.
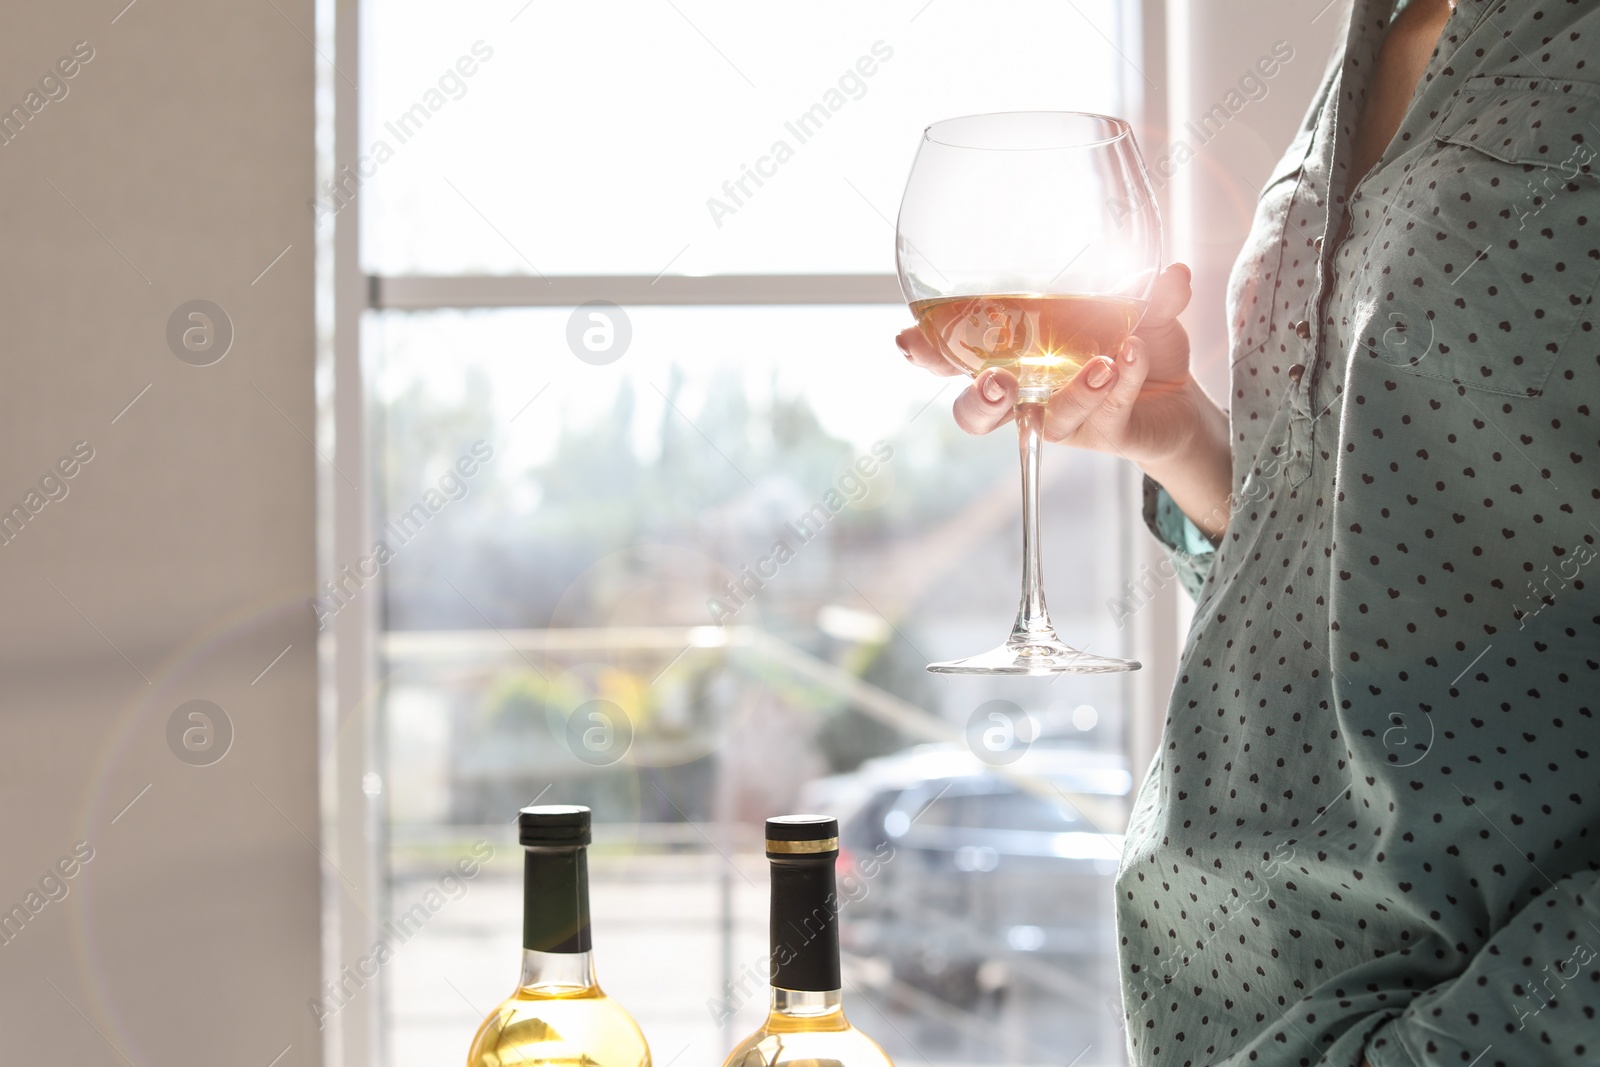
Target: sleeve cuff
(1190, 549)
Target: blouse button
(1296, 371)
(1317, 244)
(1302, 329)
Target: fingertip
(1173, 291)
(1099, 372)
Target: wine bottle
(558, 1015)
(805, 1022)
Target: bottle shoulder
(580, 1028)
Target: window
(583, 596)
(591, 138)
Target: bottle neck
(557, 972)
(555, 902)
(804, 926)
(806, 1003)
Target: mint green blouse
(1373, 826)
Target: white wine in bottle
(558, 1016)
(805, 1024)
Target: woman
(1373, 829)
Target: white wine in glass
(1042, 340)
(1029, 241)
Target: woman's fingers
(1095, 406)
(987, 403)
(1072, 405)
(1169, 297)
(1167, 339)
(1108, 423)
(922, 354)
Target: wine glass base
(1034, 658)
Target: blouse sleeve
(1189, 548)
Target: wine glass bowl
(1028, 241)
(1041, 339)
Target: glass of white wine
(1029, 241)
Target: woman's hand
(1142, 404)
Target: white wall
(176, 567)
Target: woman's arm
(1199, 475)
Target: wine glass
(1029, 241)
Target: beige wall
(1215, 44)
(1207, 47)
(176, 567)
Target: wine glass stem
(1033, 619)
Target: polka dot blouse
(1373, 826)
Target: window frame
(350, 650)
